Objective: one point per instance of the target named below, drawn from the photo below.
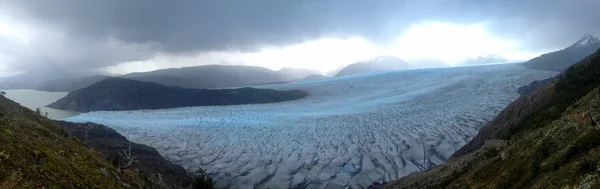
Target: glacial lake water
(33, 99)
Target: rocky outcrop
(124, 94)
(109, 143)
(534, 85)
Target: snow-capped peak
(586, 40)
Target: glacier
(348, 133)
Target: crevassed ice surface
(350, 132)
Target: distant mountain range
(126, 94)
(200, 77)
(428, 63)
(483, 60)
(69, 84)
(210, 76)
(227, 76)
(560, 60)
(315, 76)
(294, 74)
(36, 78)
(383, 63)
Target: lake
(33, 99)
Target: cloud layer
(95, 34)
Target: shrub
(202, 180)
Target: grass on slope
(575, 82)
(35, 153)
(564, 153)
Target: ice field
(348, 133)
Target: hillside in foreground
(126, 94)
(548, 138)
(36, 153)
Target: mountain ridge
(562, 59)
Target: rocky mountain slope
(36, 153)
(110, 143)
(126, 94)
(560, 60)
(548, 138)
(384, 63)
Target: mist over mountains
(225, 76)
(383, 63)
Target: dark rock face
(124, 94)
(534, 85)
(109, 143)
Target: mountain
(483, 60)
(294, 74)
(210, 76)
(126, 94)
(41, 78)
(37, 153)
(315, 76)
(547, 138)
(383, 63)
(69, 84)
(559, 60)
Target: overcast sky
(141, 35)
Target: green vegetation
(203, 181)
(557, 155)
(36, 153)
(575, 82)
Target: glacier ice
(348, 133)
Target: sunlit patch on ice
(350, 132)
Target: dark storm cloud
(189, 26)
(214, 25)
